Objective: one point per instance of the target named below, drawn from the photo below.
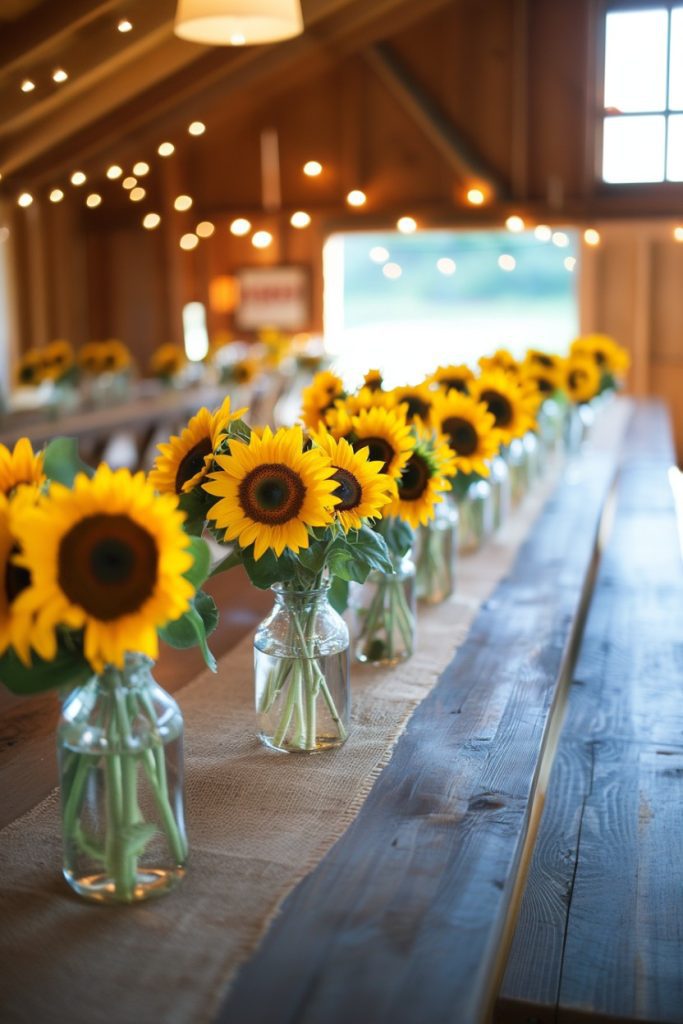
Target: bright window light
(635, 60)
(633, 149)
(194, 330)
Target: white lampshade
(238, 22)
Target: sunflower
(320, 396)
(338, 421)
(374, 380)
(15, 625)
(423, 481)
(502, 359)
(387, 435)
(20, 466)
(167, 360)
(31, 370)
(505, 398)
(58, 358)
(452, 378)
(90, 356)
(608, 356)
(418, 399)
(244, 370)
(271, 490)
(107, 557)
(537, 357)
(582, 378)
(362, 487)
(114, 356)
(540, 380)
(469, 429)
(185, 460)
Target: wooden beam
(445, 137)
(40, 33)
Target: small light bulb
(475, 197)
(446, 266)
(59, 75)
(261, 239)
(312, 168)
(78, 178)
(197, 128)
(151, 220)
(27, 85)
(543, 233)
(392, 270)
(166, 149)
(678, 234)
(205, 229)
(189, 241)
(25, 199)
(378, 254)
(94, 199)
(182, 203)
(136, 194)
(560, 239)
(514, 224)
(129, 182)
(591, 236)
(569, 262)
(507, 262)
(406, 225)
(141, 168)
(240, 226)
(300, 219)
(125, 25)
(114, 172)
(56, 195)
(238, 39)
(356, 198)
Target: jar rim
(284, 589)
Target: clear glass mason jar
(499, 479)
(551, 426)
(385, 615)
(533, 455)
(301, 670)
(475, 508)
(518, 468)
(578, 427)
(436, 552)
(120, 750)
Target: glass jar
(120, 749)
(499, 479)
(436, 552)
(301, 669)
(518, 468)
(385, 615)
(551, 427)
(578, 427)
(533, 455)
(475, 508)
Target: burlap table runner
(258, 821)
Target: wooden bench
(600, 930)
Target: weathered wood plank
(403, 920)
(601, 911)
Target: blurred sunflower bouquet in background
(168, 363)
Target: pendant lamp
(238, 22)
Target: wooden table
(409, 918)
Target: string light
(543, 233)
(27, 85)
(378, 254)
(356, 198)
(300, 219)
(446, 266)
(166, 149)
(125, 25)
(240, 227)
(25, 199)
(678, 234)
(515, 224)
(114, 172)
(406, 225)
(392, 270)
(261, 239)
(189, 241)
(475, 197)
(197, 128)
(141, 168)
(507, 262)
(205, 229)
(312, 168)
(569, 263)
(591, 236)
(78, 178)
(136, 194)
(59, 75)
(151, 221)
(129, 182)
(182, 203)
(56, 195)
(93, 200)
(560, 239)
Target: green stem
(74, 796)
(288, 710)
(159, 783)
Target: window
(406, 303)
(643, 95)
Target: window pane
(674, 161)
(635, 60)
(676, 61)
(633, 148)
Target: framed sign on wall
(277, 297)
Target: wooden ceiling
(122, 89)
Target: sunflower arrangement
(320, 397)
(241, 371)
(55, 362)
(452, 378)
(168, 362)
(504, 397)
(502, 359)
(582, 379)
(417, 400)
(96, 358)
(611, 359)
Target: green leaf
(353, 556)
(137, 835)
(312, 558)
(195, 504)
(269, 569)
(193, 627)
(397, 534)
(201, 565)
(240, 430)
(375, 548)
(339, 594)
(67, 669)
(62, 461)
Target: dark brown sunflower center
(543, 360)
(16, 577)
(462, 436)
(374, 384)
(108, 566)
(576, 378)
(272, 494)
(414, 479)
(348, 489)
(416, 407)
(27, 373)
(499, 406)
(192, 463)
(454, 384)
(544, 385)
(380, 450)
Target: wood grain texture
(600, 925)
(402, 921)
